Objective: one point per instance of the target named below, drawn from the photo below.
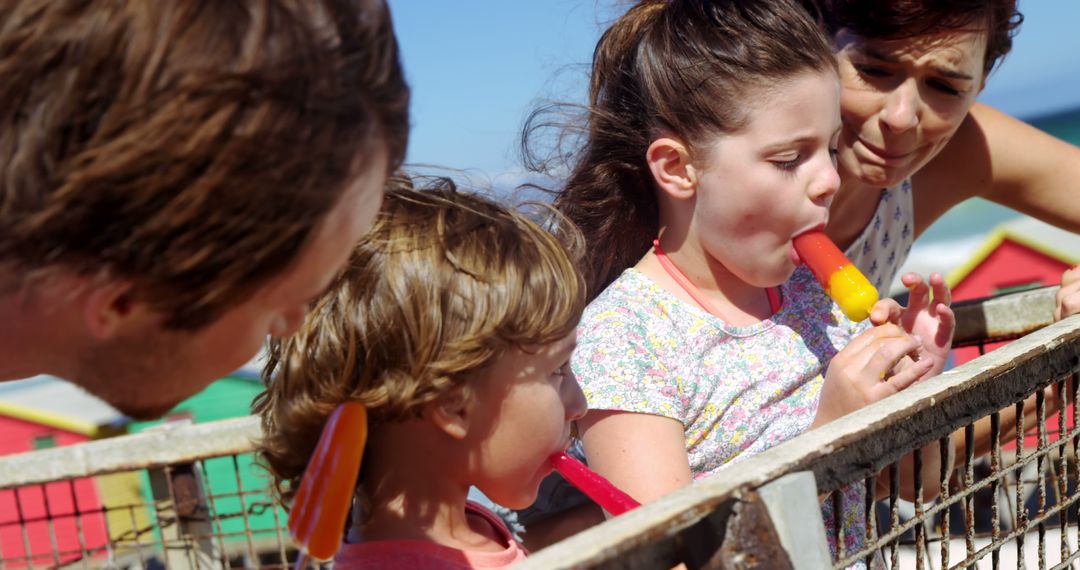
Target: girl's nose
(825, 185)
(901, 110)
(574, 399)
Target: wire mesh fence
(1015, 507)
(197, 501)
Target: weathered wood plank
(151, 448)
(1004, 316)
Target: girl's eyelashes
(788, 165)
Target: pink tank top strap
(773, 293)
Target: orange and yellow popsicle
(843, 282)
(600, 490)
(322, 502)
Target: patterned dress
(737, 391)
(886, 241)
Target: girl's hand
(931, 321)
(866, 371)
(1068, 297)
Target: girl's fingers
(947, 318)
(1071, 275)
(907, 376)
(886, 311)
(918, 299)
(885, 356)
(942, 293)
(871, 336)
(918, 290)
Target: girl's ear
(450, 414)
(671, 167)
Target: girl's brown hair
(444, 284)
(684, 67)
(189, 146)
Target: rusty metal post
(777, 527)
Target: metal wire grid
(189, 526)
(1046, 498)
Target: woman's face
(902, 100)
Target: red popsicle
(843, 282)
(600, 490)
(322, 502)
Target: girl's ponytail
(609, 193)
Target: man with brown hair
(178, 179)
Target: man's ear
(108, 307)
(671, 167)
(450, 413)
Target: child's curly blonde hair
(445, 282)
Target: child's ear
(108, 307)
(671, 167)
(450, 413)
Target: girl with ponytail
(709, 143)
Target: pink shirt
(422, 554)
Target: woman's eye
(872, 71)
(945, 88)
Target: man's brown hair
(188, 146)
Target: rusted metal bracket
(751, 541)
(777, 527)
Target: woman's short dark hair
(902, 19)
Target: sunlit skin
(119, 351)
(499, 439)
(901, 103)
(1068, 297)
(730, 215)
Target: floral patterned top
(737, 390)
(886, 241)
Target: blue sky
(477, 67)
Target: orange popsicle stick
(322, 502)
(843, 282)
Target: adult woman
(915, 143)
